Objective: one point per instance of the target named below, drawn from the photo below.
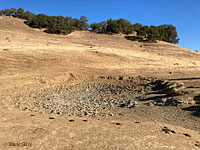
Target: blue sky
(184, 14)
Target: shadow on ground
(136, 38)
(183, 79)
(195, 110)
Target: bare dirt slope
(32, 61)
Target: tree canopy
(164, 32)
(66, 25)
(113, 26)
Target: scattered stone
(194, 63)
(122, 105)
(191, 102)
(117, 123)
(120, 77)
(102, 114)
(197, 144)
(173, 92)
(172, 102)
(186, 134)
(51, 118)
(42, 81)
(32, 115)
(173, 89)
(109, 77)
(109, 114)
(85, 113)
(150, 103)
(85, 120)
(91, 99)
(82, 100)
(102, 77)
(167, 130)
(71, 120)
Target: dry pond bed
(95, 97)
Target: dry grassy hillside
(34, 65)
(88, 50)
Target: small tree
(124, 26)
(8, 12)
(94, 26)
(143, 31)
(99, 27)
(119, 26)
(58, 25)
(172, 34)
(27, 14)
(20, 13)
(68, 19)
(153, 34)
(60, 28)
(75, 24)
(83, 23)
(168, 33)
(102, 27)
(137, 26)
(30, 20)
(112, 26)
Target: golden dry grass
(31, 59)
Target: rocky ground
(92, 97)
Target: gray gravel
(87, 99)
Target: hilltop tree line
(66, 25)
(152, 33)
(52, 24)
